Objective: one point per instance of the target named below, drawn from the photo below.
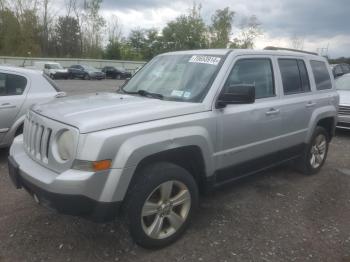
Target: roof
(20, 70)
(244, 52)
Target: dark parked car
(85, 72)
(116, 73)
(340, 69)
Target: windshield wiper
(149, 94)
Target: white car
(52, 69)
(343, 87)
(20, 88)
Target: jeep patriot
(187, 122)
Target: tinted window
(257, 72)
(304, 76)
(11, 85)
(322, 78)
(294, 76)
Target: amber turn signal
(101, 165)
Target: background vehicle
(52, 69)
(340, 69)
(188, 121)
(85, 72)
(115, 73)
(343, 87)
(19, 89)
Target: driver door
(249, 132)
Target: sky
(317, 23)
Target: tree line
(33, 28)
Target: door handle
(272, 111)
(6, 105)
(310, 104)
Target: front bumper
(343, 121)
(72, 192)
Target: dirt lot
(279, 215)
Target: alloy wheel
(318, 151)
(166, 209)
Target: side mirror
(236, 94)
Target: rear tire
(161, 204)
(315, 154)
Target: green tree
(153, 44)
(67, 34)
(221, 28)
(10, 32)
(186, 32)
(30, 34)
(93, 27)
(113, 50)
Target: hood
(100, 111)
(344, 96)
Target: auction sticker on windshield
(203, 59)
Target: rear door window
(294, 75)
(11, 84)
(322, 77)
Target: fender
(317, 115)
(137, 148)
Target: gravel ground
(279, 215)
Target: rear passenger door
(12, 95)
(298, 101)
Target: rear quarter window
(321, 75)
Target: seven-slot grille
(344, 110)
(36, 139)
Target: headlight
(65, 145)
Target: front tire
(315, 153)
(161, 204)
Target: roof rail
(289, 49)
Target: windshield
(343, 83)
(176, 77)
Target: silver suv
(186, 122)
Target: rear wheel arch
(328, 123)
